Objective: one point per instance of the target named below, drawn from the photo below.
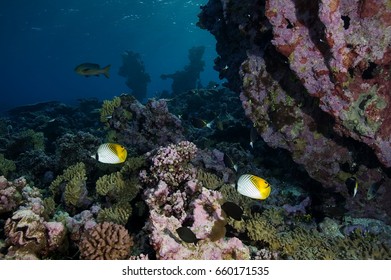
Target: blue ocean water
(43, 41)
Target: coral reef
(6, 165)
(29, 232)
(106, 241)
(330, 112)
(150, 126)
(189, 77)
(176, 198)
(71, 185)
(170, 164)
(306, 242)
(108, 108)
(134, 71)
(72, 148)
(10, 193)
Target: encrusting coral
(106, 241)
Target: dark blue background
(43, 40)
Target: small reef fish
(230, 163)
(352, 185)
(200, 123)
(110, 153)
(218, 230)
(187, 235)
(232, 210)
(253, 136)
(253, 186)
(372, 191)
(92, 69)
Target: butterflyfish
(352, 185)
(229, 162)
(253, 186)
(200, 123)
(253, 136)
(110, 153)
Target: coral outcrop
(106, 241)
(133, 70)
(189, 77)
(149, 126)
(314, 80)
(175, 199)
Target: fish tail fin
(106, 71)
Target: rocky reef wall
(314, 77)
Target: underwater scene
(200, 129)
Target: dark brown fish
(187, 235)
(232, 210)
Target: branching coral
(208, 180)
(118, 213)
(304, 242)
(71, 184)
(6, 165)
(106, 241)
(108, 108)
(170, 164)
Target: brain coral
(105, 241)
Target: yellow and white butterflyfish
(253, 186)
(111, 153)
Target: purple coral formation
(145, 127)
(340, 51)
(169, 164)
(181, 199)
(314, 79)
(10, 193)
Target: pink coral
(10, 193)
(170, 164)
(171, 204)
(77, 224)
(56, 233)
